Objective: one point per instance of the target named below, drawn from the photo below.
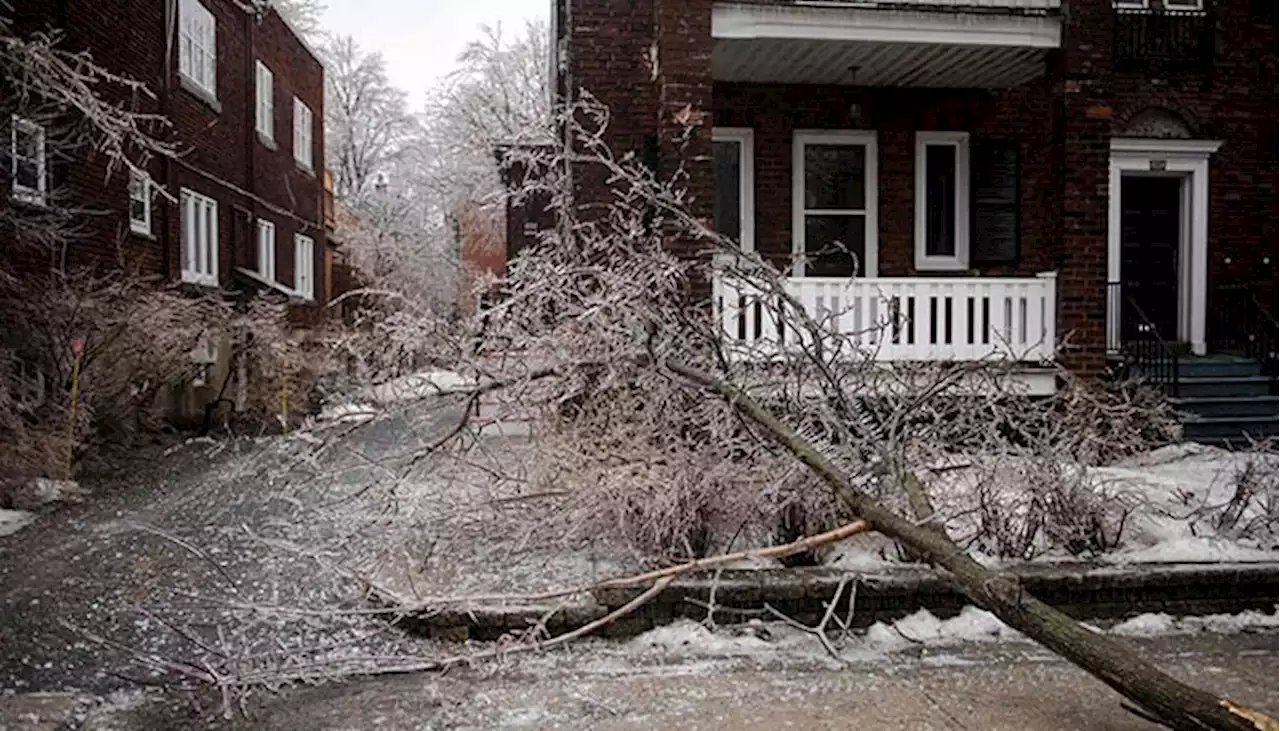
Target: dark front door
(1150, 222)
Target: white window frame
(140, 192)
(304, 266)
(198, 46)
(745, 138)
(1130, 4)
(1194, 6)
(199, 225)
(39, 194)
(959, 261)
(303, 140)
(867, 139)
(265, 109)
(266, 250)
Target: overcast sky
(421, 38)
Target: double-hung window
(834, 204)
(266, 103)
(199, 238)
(139, 204)
(302, 131)
(267, 250)
(29, 169)
(942, 201)
(198, 46)
(304, 266)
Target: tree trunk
(1172, 702)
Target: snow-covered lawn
(1164, 505)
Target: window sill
(940, 264)
(200, 282)
(304, 168)
(199, 92)
(142, 233)
(30, 198)
(267, 142)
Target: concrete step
(1218, 366)
(1231, 431)
(1219, 386)
(1226, 406)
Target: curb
(1083, 591)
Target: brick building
(245, 98)
(1094, 172)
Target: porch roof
(996, 46)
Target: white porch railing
(897, 319)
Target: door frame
(1187, 160)
(871, 204)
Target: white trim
(1188, 148)
(303, 135)
(1188, 160)
(304, 266)
(745, 137)
(26, 194)
(960, 260)
(867, 23)
(140, 184)
(871, 252)
(199, 229)
(265, 101)
(266, 243)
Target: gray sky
(421, 38)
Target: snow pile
(348, 413)
(923, 628)
(766, 641)
(1149, 625)
(686, 638)
(12, 521)
(420, 385)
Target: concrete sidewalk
(1012, 686)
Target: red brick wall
(220, 155)
(1063, 123)
(774, 112)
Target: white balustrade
(895, 319)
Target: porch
(893, 319)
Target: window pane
(940, 200)
(727, 205)
(28, 144)
(832, 244)
(28, 174)
(835, 177)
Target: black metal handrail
(1164, 40)
(1240, 323)
(1155, 359)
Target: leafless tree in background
(367, 119)
(500, 94)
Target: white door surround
(1187, 160)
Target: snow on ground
(12, 521)
(763, 642)
(1150, 625)
(1172, 495)
(419, 385)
